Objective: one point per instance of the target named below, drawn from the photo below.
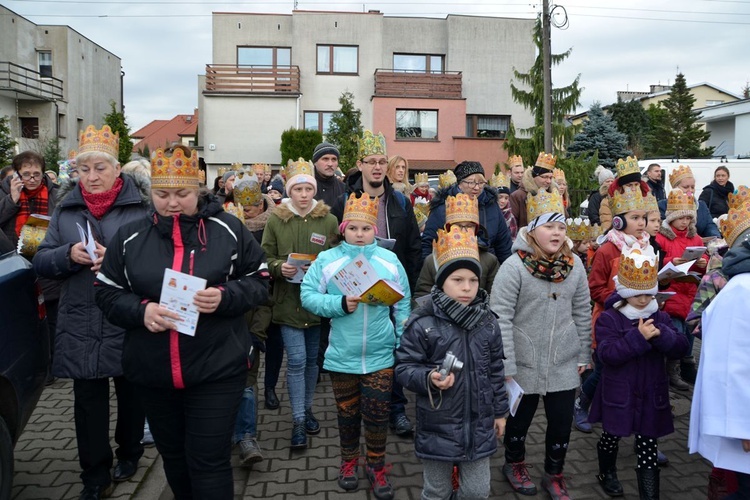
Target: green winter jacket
(286, 233)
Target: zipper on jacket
(364, 341)
(468, 370)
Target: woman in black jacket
(190, 384)
(715, 195)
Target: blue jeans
(301, 366)
(245, 423)
(681, 327)
(589, 386)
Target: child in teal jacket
(362, 341)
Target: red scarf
(100, 203)
(31, 202)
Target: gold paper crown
(176, 171)
(461, 208)
(247, 191)
(455, 244)
(363, 209)
(626, 167)
(421, 178)
(299, 167)
(679, 200)
(578, 229)
(370, 144)
(650, 203)
(515, 160)
(547, 161)
(736, 222)
(202, 177)
(630, 199)
(447, 179)
(499, 180)
(100, 141)
(262, 168)
(678, 174)
(237, 166)
(72, 154)
(638, 269)
(739, 197)
(544, 202)
(221, 171)
(421, 209)
(558, 174)
(596, 231)
(235, 210)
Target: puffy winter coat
(716, 198)
(286, 233)
(462, 428)
(633, 393)
(87, 345)
(362, 341)
(213, 245)
(673, 243)
(497, 237)
(546, 326)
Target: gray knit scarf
(467, 317)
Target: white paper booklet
(177, 292)
(87, 238)
(670, 271)
(298, 260)
(515, 393)
(359, 278)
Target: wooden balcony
(445, 85)
(25, 83)
(238, 79)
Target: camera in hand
(451, 364)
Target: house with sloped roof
(182, 129)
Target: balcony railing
(445, 85)
(239, 79)
(29, 82)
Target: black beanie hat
(467, 168)
(462, 263)
(324, 148)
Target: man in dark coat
(655, 181)
(326, 161)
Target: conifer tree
(344, 131)
(600, 135)
(117, 123)
(633, 121)
(7, 143)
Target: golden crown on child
(627, 166)
(544, 202)
(175, 171)
(578, 229)
(363, 208)
(461, 208)
(638, 269)
(458, 243)
(447, 179)
(630, 199)
(299, 167)
(680, 173)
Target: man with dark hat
(326, 160)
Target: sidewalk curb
(154, 483)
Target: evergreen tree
(746, 91)
(7, 143)
(579, 173)
(682, 134)
(600, 135)
(344, 131)
(657, 139)
(117, 123)
(564, 99)
(298, 143)
(52, 154)
(633, 121)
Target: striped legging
(363, 397)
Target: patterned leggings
(363, 397)
(645, 449)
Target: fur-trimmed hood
(142, 182)
(285, 213)
(667, 231)
(530, 186)
(259, 222)
(604, 191)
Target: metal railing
(30, 82)
(240, 79)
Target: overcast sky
(623, 45)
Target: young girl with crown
(633, 341)
(543, 314)
(359, 357)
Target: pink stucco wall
(486, 151)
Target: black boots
(608, 473)
(648, 483)
(688, 369)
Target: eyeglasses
(372, 163)
(26, 176)
(475, 184)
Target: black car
(24, 355)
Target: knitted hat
(300, 172)
(455, 249)
(603, 174)
(637, 272)
(467, 168)
(324, 148)
(680, 204)
(277, 184)
(227, 175)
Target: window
(264, 57)
(416, 124)
(338, 59)
(45, 64)
(713, 103)
(418, 63)
(30, 128)
(318, 120)
(495, 126)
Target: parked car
(24, 356)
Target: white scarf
(632, 313)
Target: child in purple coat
(634, 339)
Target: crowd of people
(481, 286)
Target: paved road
(47, 461)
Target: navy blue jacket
(497, 236)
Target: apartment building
(53, 82)
(438, 89)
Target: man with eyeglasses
(493, 232)
(397, 225)
(535, 178)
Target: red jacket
(603, 269)
(673, 244)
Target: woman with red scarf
(88, 348)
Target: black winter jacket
(716, 198)
(213, 245)
(87, 346)
(402, 224)
(462, 429)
